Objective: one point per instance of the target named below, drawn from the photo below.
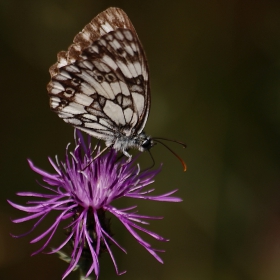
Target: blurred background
(215, 78)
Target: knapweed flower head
(81, 191)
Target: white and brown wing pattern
(101, 84)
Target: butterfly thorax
(123, 143)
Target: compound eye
(146, 144)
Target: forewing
(101, 84)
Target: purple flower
(81, 191)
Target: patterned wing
(101, 84)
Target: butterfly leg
(127, 155)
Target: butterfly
(100, 85)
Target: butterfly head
(148, 143)
(144, 142)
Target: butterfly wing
(101, 84)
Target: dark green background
(215, 75)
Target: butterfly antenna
(172, 140)
(184, 145)
(98, 155)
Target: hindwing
(101, 83)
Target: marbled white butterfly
(100, 85)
